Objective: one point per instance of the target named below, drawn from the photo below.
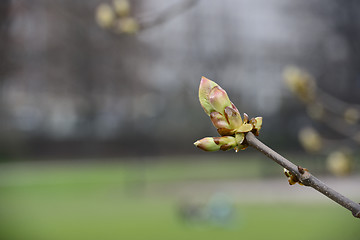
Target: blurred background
(99, 112)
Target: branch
(304, 177)
(334, 104)
(168, 14)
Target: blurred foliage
(73, 83)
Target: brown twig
(304, 177)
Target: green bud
(226, 118)
(127, 25)
(300, 83)
(207, 144)
(310, 139)
(122, 7)
(256, 123)
(105, 15)
(292, 179)
(339, 163)
(216, 143)
(205, 88)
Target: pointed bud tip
(207, 83)
(205, 79)
(207, 144)
(205, 88)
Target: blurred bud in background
(340, 163)
(117, 17)
(122, 7)
(105, 15)
(300, 83)
(310, 139)
(127, 25)
(351, 115)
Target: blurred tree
(5, 65)
(77, 82)
(4, 35)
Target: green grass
(108, 201)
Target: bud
(216, 103)
(339, 163)
(225, 117)
(256, 123)
(300, 83)
(205, 88)
(216, 143)
(310, 139)
(212, 97)
(122, 7)
(207, 144)
(128, 25)
(292, 179)
(104, 15)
